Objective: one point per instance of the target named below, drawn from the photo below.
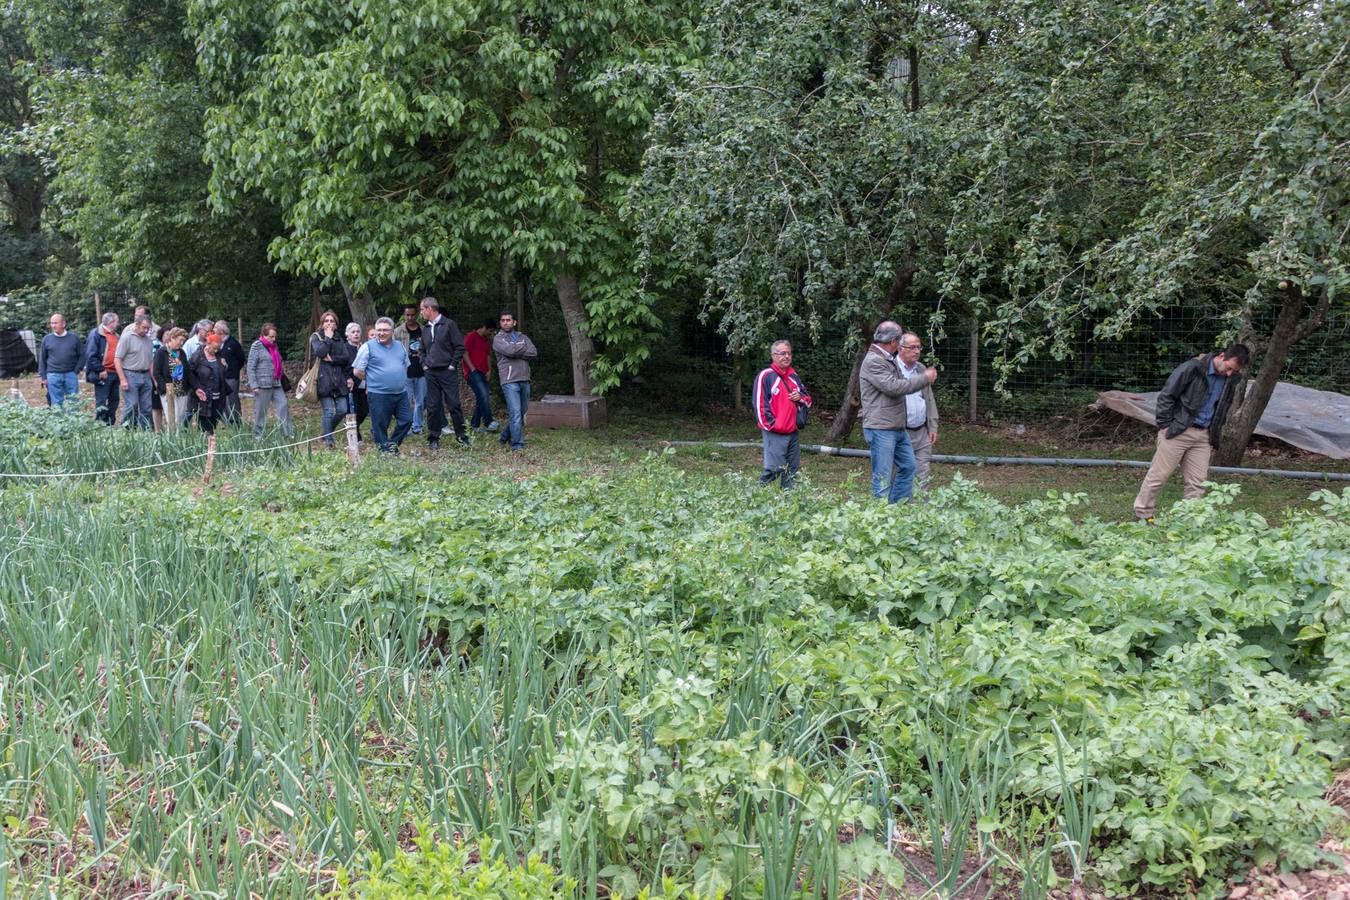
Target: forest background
(1059, 197)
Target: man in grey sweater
(132, 359)
(59, 358)
(885, 414)
(514, 352)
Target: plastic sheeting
(1316, 421)
(17, 353)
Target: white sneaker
(446, 430)
(492, 426)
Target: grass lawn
(636, 430)
(1109, 492)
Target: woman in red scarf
(268, 377)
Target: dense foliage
(657, 681)
(1041, 177)
(1047, 172)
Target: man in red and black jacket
(781, 402)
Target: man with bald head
(59, 357)
(781, 401)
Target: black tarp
(15, 357)
(1312, 420)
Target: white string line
(157, 465)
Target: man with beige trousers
(1191, 410)
(921, 414)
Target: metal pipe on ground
(825, 450)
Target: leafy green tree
(22, 239)
(1141, 158)
(120, 125)
(807, 166)
(402, 141)
(1035, 165)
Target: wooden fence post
(736, 401)
(974, 409)
(210, 457)
(353, 452)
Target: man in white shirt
(921, 416)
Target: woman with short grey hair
(357, 402)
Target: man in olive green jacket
(884, 413)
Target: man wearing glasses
(921, 415)
(885, 413)
(781, 402)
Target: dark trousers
(233, 414)
(212, 413)
(482, 409)
(383, 408)
(782, 458)
(107, 397)
(360, 408)
(442, 397)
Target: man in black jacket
(442, 349)
(1192, 408)
(233, 356)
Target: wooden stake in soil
(353, 453)
(974, 411)
(210, 457)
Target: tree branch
(1318, 317)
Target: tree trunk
(507, 284)
(1248, 405)
(583, 348)
(24, 199)
(362, 307)
(848, 407)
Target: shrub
(441, 869)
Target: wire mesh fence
(695, 366)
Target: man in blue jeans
(383, 365)
(514, 352)
(132, 359)
(59, 358)
(883, 389)
(477, 345)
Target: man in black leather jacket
(1191, 410)
(442, 349)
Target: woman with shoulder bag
(334, 355)
(168, 372)
(268, 377)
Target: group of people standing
(899, 413)
(410, 376)
(406, 377)
(159, 377)
(900, 417)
